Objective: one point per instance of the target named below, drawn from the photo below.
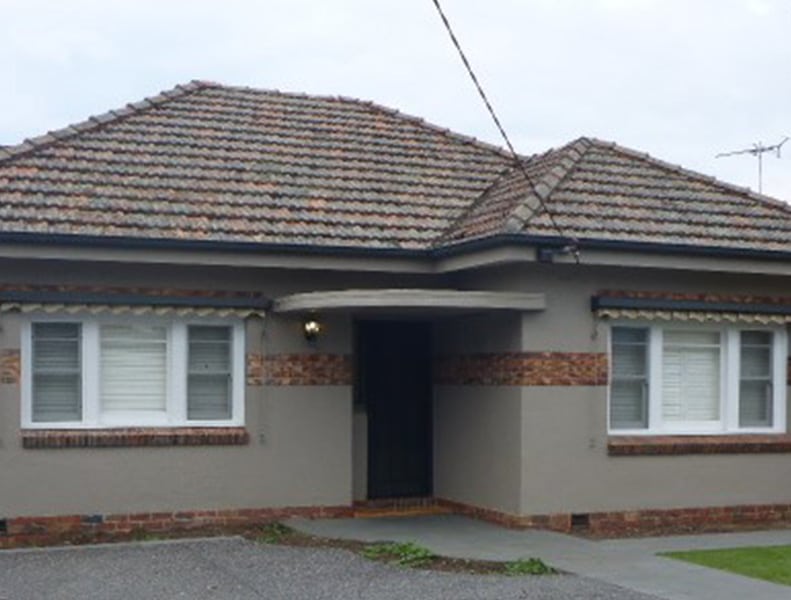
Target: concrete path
(631, 563)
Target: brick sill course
(134, 437)
(675, 445)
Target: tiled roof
(206, 162)
(598, 190)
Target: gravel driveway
(236, 569)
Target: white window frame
(729, 384)
(175, 414)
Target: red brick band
(699, 296)
(524, 368)
(166, 292)
(255, 369)
(688, 520)
(664, 445)
(28, 531)
(9, 366)
(307, 369)
(37, 531)
(639, 522)
(119, 438)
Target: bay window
(697, 379)
(93, 373)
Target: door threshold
(398, 507)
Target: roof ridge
(773, 203)
(101, 120)
(447, 132)
(442, 238)
(531, 206)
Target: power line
(574, 245)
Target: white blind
(691, 376)
(755, 379)
(57, 372)
(133, 368)
(209, 372)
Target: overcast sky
(680, 79)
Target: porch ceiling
(425, 300)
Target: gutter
(550, 243)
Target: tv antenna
(758, 150)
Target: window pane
(755, 404)
(755, 387)
(691, 376)
(628, 405)
(57, 372)
(629, 361)
(756, 363)
(756, 338)
(629, 388)
(629, 335)
(692, 338)
(133, 368)
(209, 397)
(209, 373)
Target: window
(57, 372)
(677, 379)
(209, 373)
(132, 373)
(755, 379)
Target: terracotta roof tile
(597, 190)
(207, 162)
(230, 164)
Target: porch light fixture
(311, 327)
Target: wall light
(311, 327)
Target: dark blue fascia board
(116, 299)
(602, 302)
(548, 242)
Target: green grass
(772, 563)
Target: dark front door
(394, 384)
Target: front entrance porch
(419, 429)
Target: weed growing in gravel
(407, 554)
(274, 533)
(528, 566)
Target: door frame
(359, 325)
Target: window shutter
(209, 373)
(755, 379)
(133, 368)
(629, 389)
(691, 376)
(57, 372)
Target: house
(223, 305)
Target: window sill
(675, 445)
(134, 437)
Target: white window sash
(175, 414)
(729, 385)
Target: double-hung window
(685, 379)
(93, 373)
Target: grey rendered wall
(565, 466)
(477, 429)
(300, 451)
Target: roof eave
(435, 253)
